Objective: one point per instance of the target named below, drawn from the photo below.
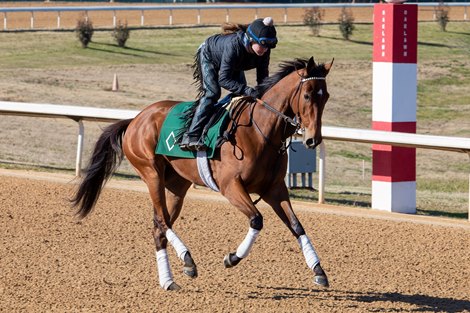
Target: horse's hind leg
(152, 173)
(278, 198)
(176, 188)
(237, 195)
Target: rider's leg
(211, 93)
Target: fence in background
(39, 18)
(456, 144)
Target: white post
(32, 20)
(78, 163)
(321, 174)
(171, 17)
(198, 16)
(227, 16)
(114, 18)
(142, 18)
(285, 16)
(58, 19)
(5, 21)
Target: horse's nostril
(309, 142)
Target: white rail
(197, 8)
(455, 144)
(76, 113)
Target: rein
(286, 118)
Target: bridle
(295, 122)
(286, 118)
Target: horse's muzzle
(312, 143)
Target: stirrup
(184, 144)
(197, 146)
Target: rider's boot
(193, 139)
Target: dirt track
(385, 263)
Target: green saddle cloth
(173, 126)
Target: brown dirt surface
(382, 262)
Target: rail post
(394, 105)
(321, 173)
(78, 160)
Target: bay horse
(253, 161)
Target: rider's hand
(252, 92)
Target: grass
(443, 95)
(172, 46)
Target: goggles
(267, 42)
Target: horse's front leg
(235, 192)
(278, 198)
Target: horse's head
(310, 99)
(298, 89)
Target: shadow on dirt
(114, 48)
(422, 303)
(370, 43)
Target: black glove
(252, 92)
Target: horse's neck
(271, 124)
(281, 95)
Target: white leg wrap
(179, 246)
(247, 243)
(309, 252)
(165, 276)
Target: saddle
(174, 126)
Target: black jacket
(230, 57)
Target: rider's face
(259, 49)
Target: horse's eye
(306, 96)
(320, 92)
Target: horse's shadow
(422, 302)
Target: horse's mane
(287, 67)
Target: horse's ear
(310, 65)
(329, 65)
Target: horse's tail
(106, 158)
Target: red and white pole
(394, 105)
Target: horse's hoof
(227, 262)
(173, 287)
(190, 271)
(320, 276)
(321, 280)
(230, 260)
